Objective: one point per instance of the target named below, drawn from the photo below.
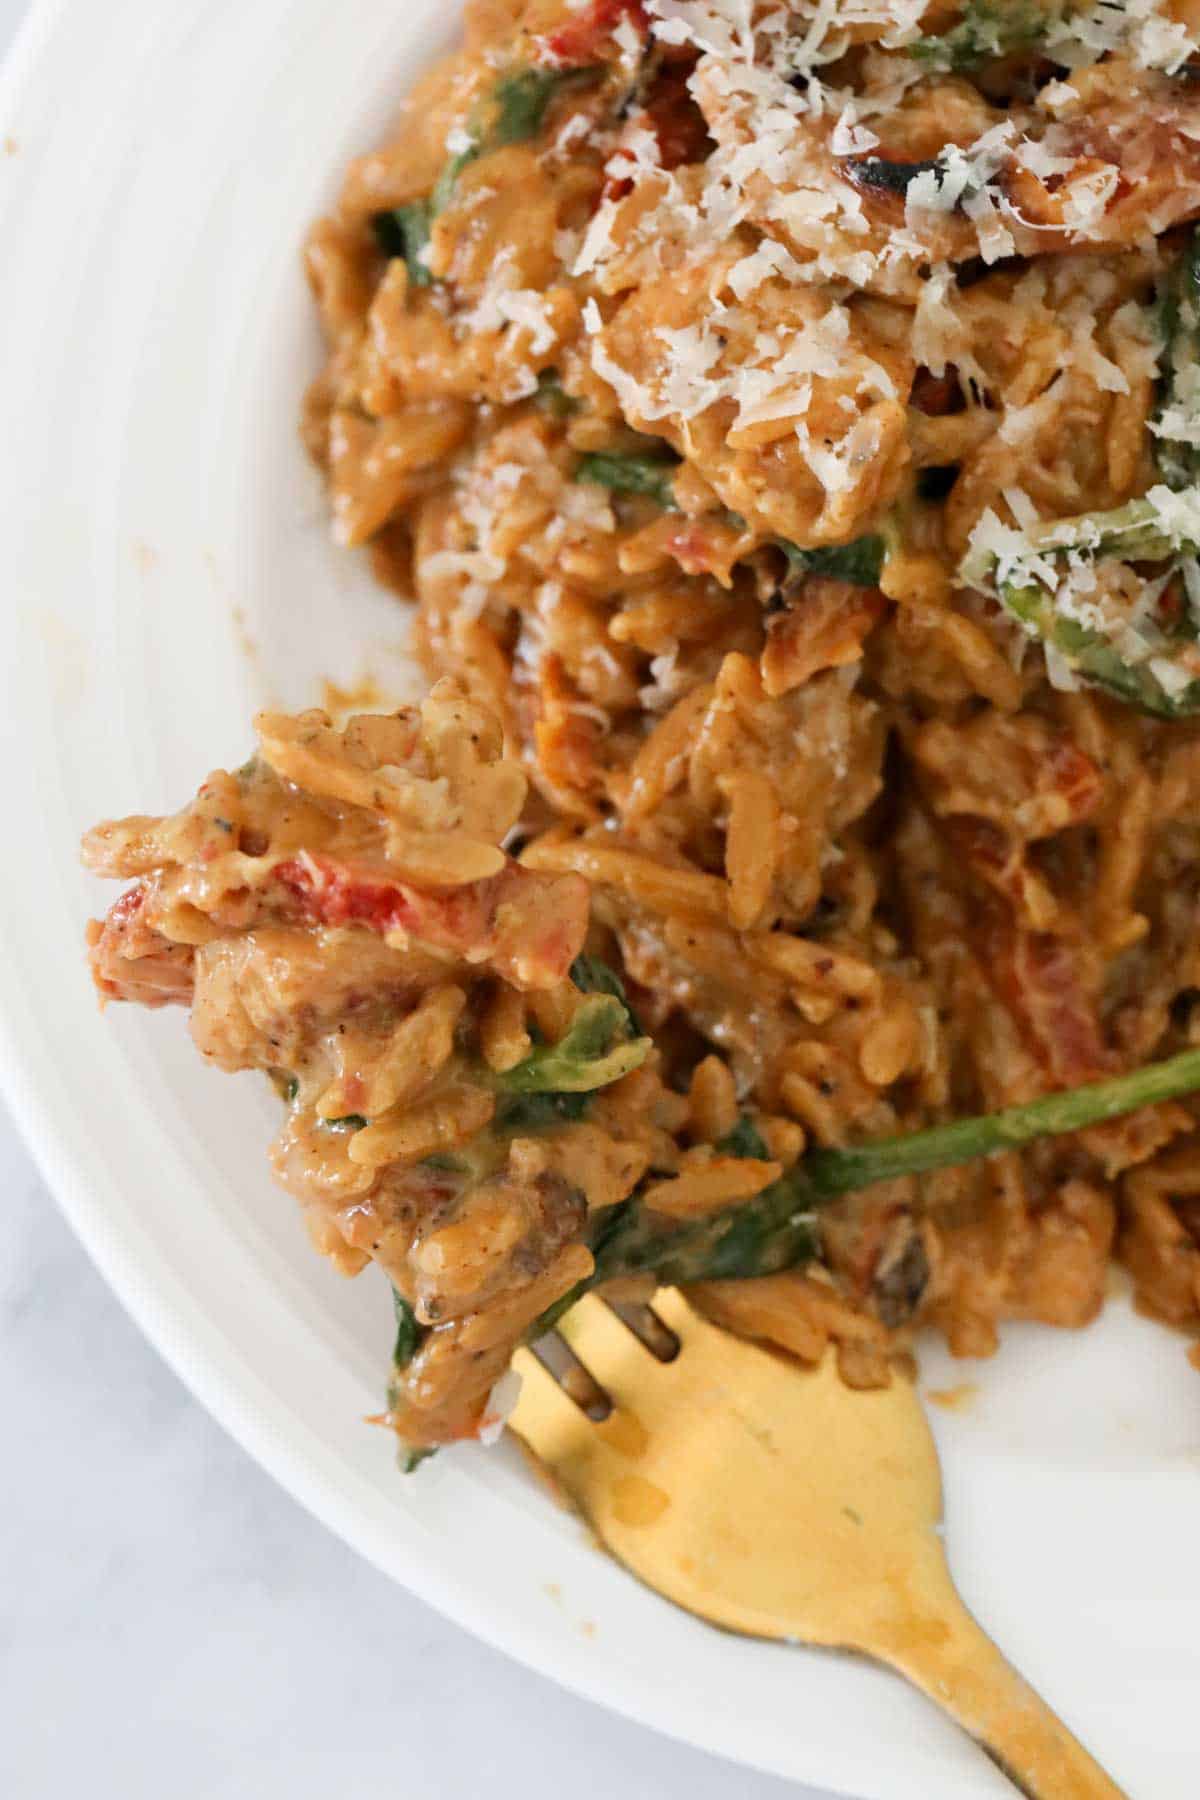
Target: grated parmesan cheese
(773, 203)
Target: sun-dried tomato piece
(529, 927)
(1039, 977)
(584, 38)
(130, 960)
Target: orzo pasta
(786, 418)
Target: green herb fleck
(986, 32)
(552, 397)
(778, 1228)
(411, 1456)
(513, 112)
(539, 1112)
(521, 101)
(744, 1140)
(404, 232)
(592, 975)
(859, 562)
(594, 1051)
(408, 1332)
(624, 473)
(1027, 583)
(1176, 420)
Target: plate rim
(193, 1347)
(186, 1340)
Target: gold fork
(775, 1501)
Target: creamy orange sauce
(855, 838)
(959, 1399)
(363, 695)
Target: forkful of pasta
(471, 1102)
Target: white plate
(167, 565)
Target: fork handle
(951, 1658)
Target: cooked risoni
(786, 421)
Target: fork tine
(675, 1314)
(606, 1346)
(555, 1429)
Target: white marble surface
(171, 1623)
